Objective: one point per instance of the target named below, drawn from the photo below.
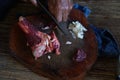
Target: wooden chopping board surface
(60, 67)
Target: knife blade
(61, 27)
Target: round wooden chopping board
(59, 67)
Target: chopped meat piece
(79, 56)
(55, 43)
(40, 43)
(68, 42)
(49, 57)
(60, 8)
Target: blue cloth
(84, 9)
(107, 44)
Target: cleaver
(62, 26)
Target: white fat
(53, 40)
(78, 29)
(27, 44)
(81, 36)
(49, 57)
(73, 35)
(45, 28)
(21, 18)
(68, 42)
(38, 52)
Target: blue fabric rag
(107, 44)
(84, 9)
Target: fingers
(34, 2)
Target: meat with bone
(40, 43)
(60, 8)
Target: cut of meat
(40, 43)
(79, 56)
(55, 43)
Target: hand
(34, 2)
(60, 9)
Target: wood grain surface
(105, 14)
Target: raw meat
(40, 43)
(79, 56)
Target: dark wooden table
(105, 14)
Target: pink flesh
(40, 43)
(55, 43)
(79, 56)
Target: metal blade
(53, 18)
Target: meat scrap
(79, 56)
(39, 42)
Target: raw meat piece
(79, 56)
(40, 43)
